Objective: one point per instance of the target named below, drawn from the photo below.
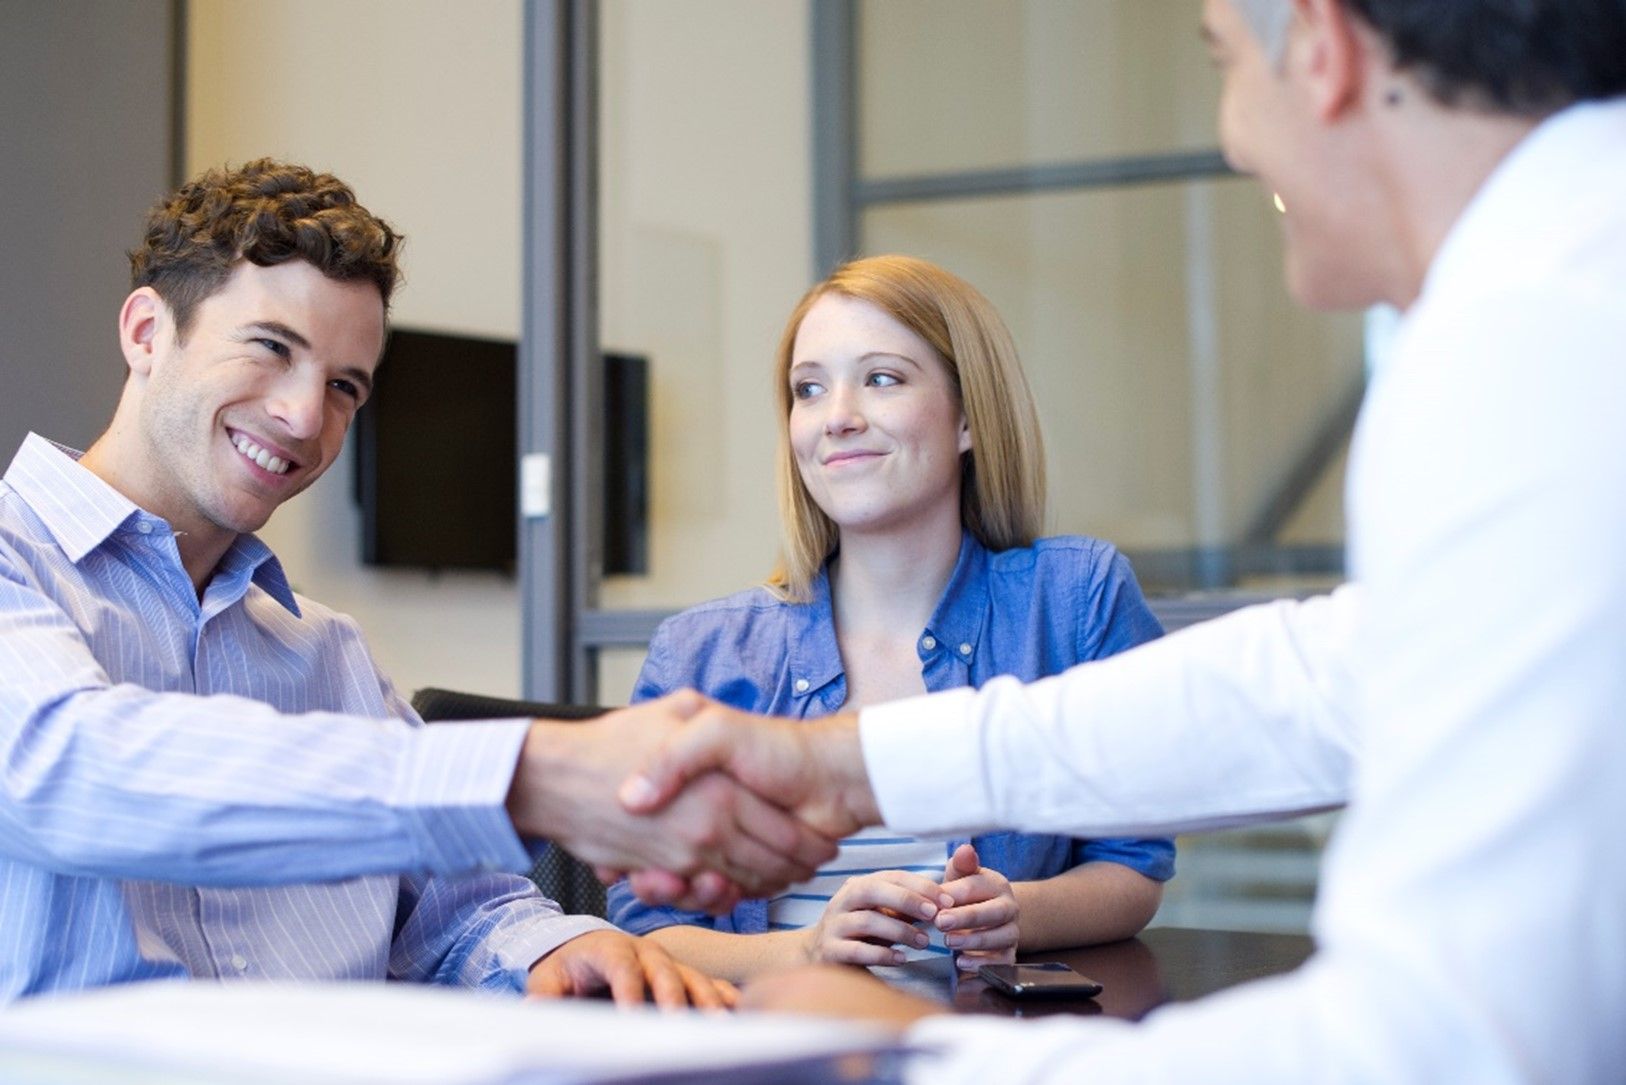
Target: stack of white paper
(247, 1033)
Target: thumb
(963, 863)
(692, 750)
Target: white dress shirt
(1467, 700)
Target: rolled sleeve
(1152, 857)
(484, 931)
(635, 917)
(518, 948)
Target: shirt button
(801, 685)
(965, 649)
(928, 642)
(144, 527)
(238, 962)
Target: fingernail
(928, 909)
(945, 922)
(945, 900)
(921, 941)
(636, 792)
(897, 957)
(954, 940)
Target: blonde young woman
(912, 493)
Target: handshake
(700, 805)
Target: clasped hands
(698, 804)
(871, 915)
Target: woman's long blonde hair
(1002, 488)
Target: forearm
(734, 957)
(226, 791)
(1092, 902)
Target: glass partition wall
(1062, 156)
(1059, 154)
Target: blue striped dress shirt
(227, 787)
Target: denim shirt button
(928, 642)
(801, 685)
(965, 649)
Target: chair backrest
(560, 875)
(439, 705)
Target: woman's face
(875, 425)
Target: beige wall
(417, 104)
(706, 246)
(705, 242)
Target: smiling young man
(201, 773)
(1465, 161)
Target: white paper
(350, 1033)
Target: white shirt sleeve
(1219, 724)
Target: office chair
(560, 875)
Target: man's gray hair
(1268, 19)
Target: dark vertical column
(835, 133)
(89, 143)
(586, 365)
(178, 16)
(559, 386)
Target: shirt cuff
(452, 792)
(920, 749)
(520, 948)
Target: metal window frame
(559, 387)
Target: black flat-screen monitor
(437, 456)
(626, 464)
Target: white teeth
(275, 464)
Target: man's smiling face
(253, 406)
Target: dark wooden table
(1165, 964)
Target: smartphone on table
(1040, 979)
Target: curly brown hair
(266, 212)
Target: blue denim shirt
(1030, 612)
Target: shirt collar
(249, 554)
(76, 507)
(1536, 206)
(956, 625)
(82, 512)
